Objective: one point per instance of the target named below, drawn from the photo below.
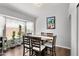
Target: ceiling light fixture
(38, 4)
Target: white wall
(60, 11)
(78, 27)
(73, 12)
(10, 12)
(2, 23)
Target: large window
(30, 27)
(9, 25)
(12, 25)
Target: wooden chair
(46, 34)
(49, 34)
(26, 45)
(43, 34)
(51, 46)
(29, 34)
(37, 48)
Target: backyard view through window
(30, 27)
(12, 28)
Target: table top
(43, 37)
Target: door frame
(77, 30)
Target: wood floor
(18, 51)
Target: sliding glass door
(13, 29)
(13, 26)
(30, 27)
(8, 26)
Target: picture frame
(51, 22)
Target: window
(12, 25)
(30, 27)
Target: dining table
(44, 38)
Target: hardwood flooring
(18, 51)
(62, 51)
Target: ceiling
(30, 8)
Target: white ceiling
(30, 8)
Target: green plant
(13, 35)
(20, 33)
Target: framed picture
(51, 22)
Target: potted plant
(13, 36)
(13, 39)
(19, 33)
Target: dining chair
(26, 45)
(37, 47)
(51, 46)
(29, 34)
(43, 34)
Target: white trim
(63, 47)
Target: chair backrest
(26, 41)
(46, 34)
(43, 34)
(50, 34)
(29, 34)
(36, 42)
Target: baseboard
(63, 47)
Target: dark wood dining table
(44, 38)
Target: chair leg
(54, 51)
(45, 51)
(29, 52)
(32, 52)
(39, 53)
(50, 51)
(23, 51)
